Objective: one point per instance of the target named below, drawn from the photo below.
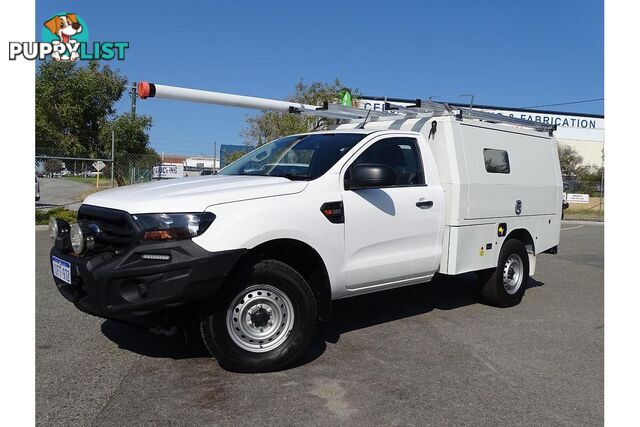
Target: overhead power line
(567, 103)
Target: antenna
(365, 121)
(471, 96)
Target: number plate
(61, 269)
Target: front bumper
(126, 285)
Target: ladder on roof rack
(392, 111)
(422, 109)
(499, 118)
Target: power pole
(134, 96)
(113, 154)
(215, 150)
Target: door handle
(424, 204)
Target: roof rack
(420, 109)
(393, 110)
(500, 118)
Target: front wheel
(264, 321)
(505, 285)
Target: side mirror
(370, 175)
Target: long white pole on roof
(151, 90)
(426, 108)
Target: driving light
(57, 227)
(77, 239)
(53, 228)
(173, 226)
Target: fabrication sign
(569, 126)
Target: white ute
(255, 254)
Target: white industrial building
(202, 162)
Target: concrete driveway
(427, 354)
(62, 191)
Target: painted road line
(571, 228)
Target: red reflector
(327, 212)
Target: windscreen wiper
(292, 177)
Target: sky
(506, 53)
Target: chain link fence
(64, 177)
(584, 200)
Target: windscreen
(301, 157)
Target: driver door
(391, 233)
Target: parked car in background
(37, 189)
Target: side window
(401, 154)
(496, 161)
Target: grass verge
(104, 182)
(592, 210)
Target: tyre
(505, 285)
(264, 319)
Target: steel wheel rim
(513, 274)
(260, 318)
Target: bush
(42, 217)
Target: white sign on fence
(98, 165)
(577, 198)
(168, 171)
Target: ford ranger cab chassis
(254, 255)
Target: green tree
(570, 160)
(131, 143)
(270, 125)
(52, 166)
(75, 111)
(591, 179)
(233, 156)
(130, 133)
(72, 103)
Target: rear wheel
(505, 285)
(264, 320)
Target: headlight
(77, 239)
(173, 226)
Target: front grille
(111, 227)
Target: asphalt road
(428, 354)
(61, 191)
